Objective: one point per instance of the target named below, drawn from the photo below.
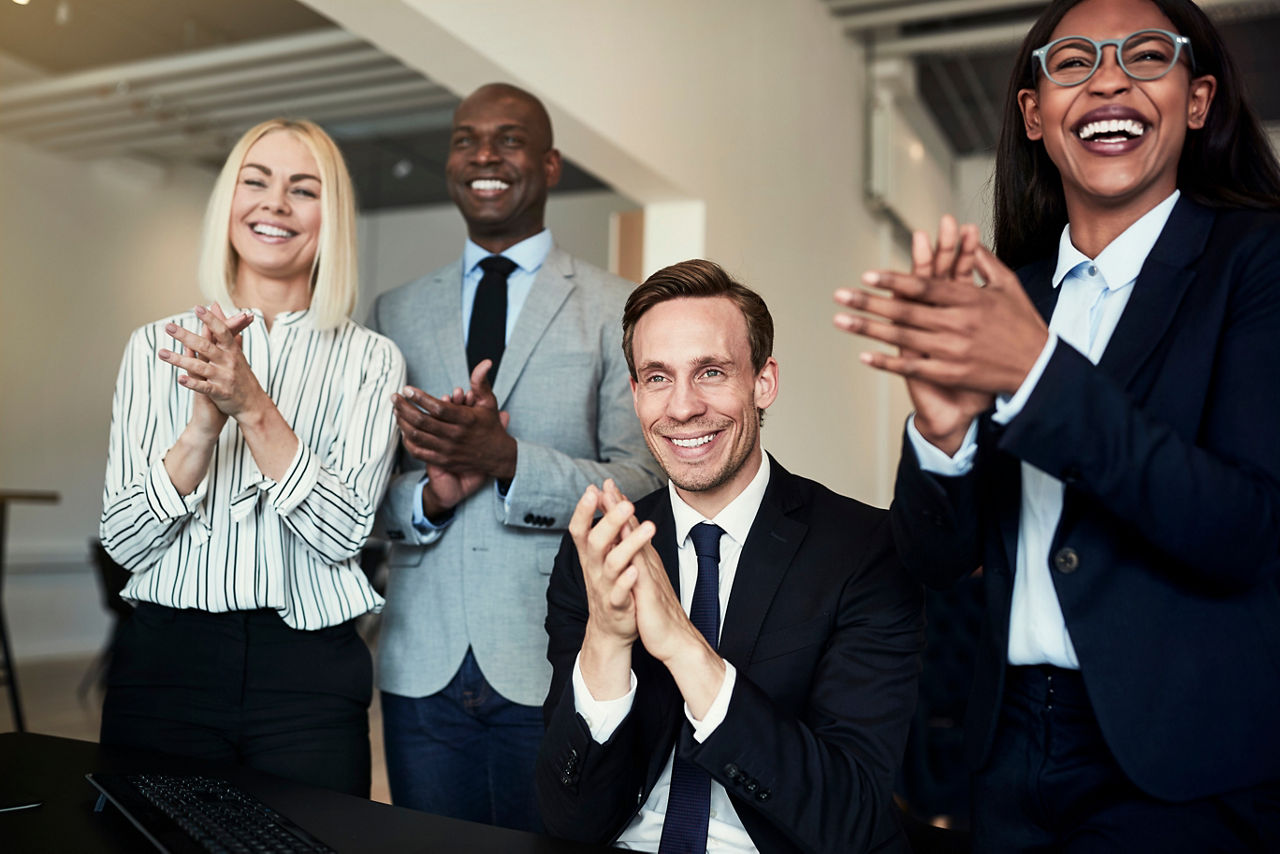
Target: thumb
(480, 382)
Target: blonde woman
(251, 440)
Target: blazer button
(528, 518)
(731, 771)
(1066, 561)
(763, 795)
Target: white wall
(88, 251)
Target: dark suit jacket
(824, 629)
(1166, 556)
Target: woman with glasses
(1100, 433)
(249, 449)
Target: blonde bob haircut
(334, 273)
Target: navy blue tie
(684, 830)
(487, 335)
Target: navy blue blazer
(825, 631)
(1166, 558)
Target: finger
(902, 312)
(992, 270)
(480, 383)
(921, 254)
(192, 365)
(628, 550)
(583, 514)
(888, 333)
(196, 385)
(604, 536)
(620, 591)
(191, 341)
(405, 409)
(504, 418)
(216, 325)
(936, 371)
(948, 237)
(970, 239)
(902, 285)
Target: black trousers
(1051, 784)
(244, 687)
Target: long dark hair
(1227, 163)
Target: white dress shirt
(724, 829)
(1094, 295)
(240, 540)
(529, 255)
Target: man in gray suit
(490, 474)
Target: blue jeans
(466, 752)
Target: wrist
(433, 508)
(504, 468)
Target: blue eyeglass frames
(1144, 55)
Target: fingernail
(865, 358)
(170, 327)
(870, 278)
(407, 392)
(199, 310)
(164, 354)
(843, 294)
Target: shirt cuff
(164, 499)
(702, 729)
(934, 460)
(1008, 407)
(602, 716)
(429, 531)
(296, 483)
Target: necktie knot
(706, 540)
(499, 264)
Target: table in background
(50, 770)
(10, 675)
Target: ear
(552, 165)
(1029, 104)
(635, 396)
(1201, 98)
(766, 391)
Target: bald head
(497, 92)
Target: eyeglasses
(1144, 55)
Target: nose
(484, 151)
(277, 198)
(1109, 78)
(685, 402)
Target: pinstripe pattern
(241, 541)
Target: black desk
(51, 770)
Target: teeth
(1112, 127)
(489, 184)
(271, 230)
(693, 443)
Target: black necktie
(487, 336)
(684, 829)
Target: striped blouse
(240, 540)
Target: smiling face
(501, 165)
(1116, 141)
(276, 212)
(697, 397)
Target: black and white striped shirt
(240, 540)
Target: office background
(791, 140)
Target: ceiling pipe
(909, 14)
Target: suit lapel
(440, 312)
(766, 558)
(1158, 292)
(551, 288)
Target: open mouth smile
(274, 231)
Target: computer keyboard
(215, 815)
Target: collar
(528, 253)
(735, 519)
(1122, 259)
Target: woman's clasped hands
(960, 341)
(215, 366)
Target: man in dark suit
(780, 732)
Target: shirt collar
(1122, 259)
(528, 253)
(735, 519)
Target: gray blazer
(483, 582)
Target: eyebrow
(299, 176)
(700, 362)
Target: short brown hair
(699, 278)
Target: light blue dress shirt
(528, 255)
(1094, 295)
